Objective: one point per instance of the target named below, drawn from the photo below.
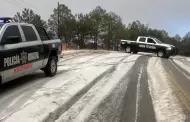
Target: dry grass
(66, 47)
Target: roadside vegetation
(98, 29)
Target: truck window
(43, 35)
(142, 39)
(29, 33)
(11, 30)
(151, 41)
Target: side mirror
(11, 40)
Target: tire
(51, 67)
(161, 53)
(167, 56)
(135, 52)
(128, 49)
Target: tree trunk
(96, 42)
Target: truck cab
(148, 44)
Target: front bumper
(172, 52)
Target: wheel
(160, 53)
(135, 52)
(51, 67)
(167, 56)
(128, 49)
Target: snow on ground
(86, 105)
(87, 84)
(53, 82)
(98, 93)
(58, 93)
(181, 57)
(188, 58)
(74, 52)
(166, 104)
(184, 64)
(67, 52)
(51, 99)
(66, 68)
(138, 94)
(91, 59)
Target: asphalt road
(136, 88)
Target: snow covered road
(102, 86)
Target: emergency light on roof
(5, 19)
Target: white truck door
(142, 43)
(11, 41)
(32, 48)
(151, 45)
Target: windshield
(158, 41)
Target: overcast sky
(171, 15)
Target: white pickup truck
(148, 44)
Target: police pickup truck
(148, 44)
(24, 49)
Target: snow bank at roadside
(166, 104)
(68, 52)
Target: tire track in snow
(89, 101)
(58, 98)
(181, 83)
(183, 66)
(138, 93)
(30, 88)
(90, 60)
(137, 106)
(184, 60)
(77, 96)
(166, 104)
(73, 110)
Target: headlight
(169, 48)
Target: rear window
(142, 39)
(151, 41)
(43, 34)
(29, 33)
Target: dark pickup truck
(149, 44)
(24, 49)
